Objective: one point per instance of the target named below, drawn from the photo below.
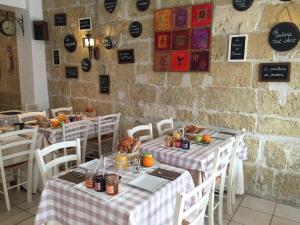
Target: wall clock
(8, 27)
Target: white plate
(102, 195)
(148, 182)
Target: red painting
(181, 39)
(182, 18)
(162, 61)
(202, 15)
(163, 41)
(163, 20)
(200, 61)
(200, 38)
(180, 61)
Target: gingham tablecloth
(61, 202)
(198, 158)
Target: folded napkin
(163, 173)
(73, 177)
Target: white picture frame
(85, 24)
(56, 52)
(237, 48)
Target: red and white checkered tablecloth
(198, 158)
(61, 202)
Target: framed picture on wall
(56, 57)
(237, 51)
(85, 23)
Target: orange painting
(163, 20)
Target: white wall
(13, 3)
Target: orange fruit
(55, 122)
(206, 138)
(148, 161)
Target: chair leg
(211, 207)
(233, 194)
(229, 199)
(18, 179)
(221, 196)
(29, 180)
(5, 190)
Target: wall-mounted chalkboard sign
(104, 84)
(284, 36)
(126, 56)
(86, 65)
(85, 23)
(56, 57)
(71, 72)
(142, 5)
(110, 5)
(135, 29)
(274, 72)
(60, 19)
(242, 5)
(237, 50)
(70, 43)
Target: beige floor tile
(29, 221)
(251, 217)
(234, 208)
(259, 204)
(20, 217)
(27, 205)
(287, 212)
(280, 221)
(4, 214)
(32, 210)
(234, 223)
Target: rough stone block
(275, 155)
(258, 46)
(269, 125)
(253, 145)
(143, 93)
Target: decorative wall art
(70, 43)
(85, 23)
(237, 51)
(71, 72)
(126, 56)
(142, 5)
(86, 65)
(135, 29)
(60, 19)
(274, 72)
(104, 83)
(182, 38)
(56, 57)
(242, 5)
(110, 5)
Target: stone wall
(229, 96)
(9, 78)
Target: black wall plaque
(60, 19)
(40, 28)
(86, 65)
(242, 5)
(126, 56)
(55, 57)
(284, 36)
(135, 29)
(142, 5)
(71, 72)
(274, 72)
(70, 43)
(110, 5)
(104, 84)
(237, 47)
(85, 23)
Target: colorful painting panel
(200, 38)
(163, 41)
(181, 39)
(202, 15)
(181, 18)
(162, 61)
(200, 61)
(163, 20)
(180, 61)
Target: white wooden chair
(78, 129)
(50, 166)
(231, 178)
(165, 126)
(65, 110)
(24, 141)
(28, 117)
(199, 196)
(221, 160)
(141, 128)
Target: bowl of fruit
(90, 112)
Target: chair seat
(15, 165)
(105, 137)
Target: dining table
(65, 204)
(198, 159)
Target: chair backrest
(165, 126)
(65, 110)
(25, 138)
(45, 167)
(29, 117)
(141, 128)
(199, 198)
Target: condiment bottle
(89, 179)
(112, 184)
(100, 184)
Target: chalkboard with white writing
(71, 72)
(135, 29)
(242, 5)
(284, 36)
(126, 56)
(142, 5)
(274, 72)
(60, 19)
(237, 47)
(104, 84)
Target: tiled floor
(247, 211)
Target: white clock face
(8, 28)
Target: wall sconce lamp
(89, 42)
(109, 42)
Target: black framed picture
(237, 51)
(274, 72)
(126, 56)
(60, 19)
(71, 72)
(85, 23)
(104, 82)
(56, 57)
